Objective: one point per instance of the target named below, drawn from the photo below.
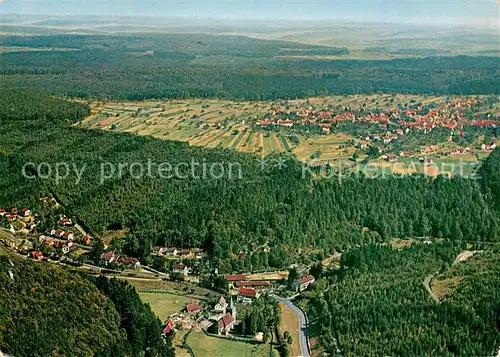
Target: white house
(303, 283)
(221, 305)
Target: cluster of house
(66, 246)
(60, 234)
(450, 115)
(110, 257)
(14, 213)
(221, 320)
(186, 253)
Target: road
(427, 282)
(304, 345)
(463, 256)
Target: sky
(444, 11)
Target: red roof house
(225, 324)
(169, 326)
(192, 308)
(246, 294)
(37, 255)
(235, 277)
(304, 282)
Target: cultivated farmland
(244, 126)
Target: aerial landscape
(257, 179)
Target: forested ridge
(48, 310)
(286, 208)
(489, 177)
(376, 305)
(180, 66)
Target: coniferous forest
(374, 304)
(180, 66)
(285, 207)
(52, 311)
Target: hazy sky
(472, 11)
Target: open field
(3, 251)
(204, 345)
(268, 276)
(164, 304)
(467, 266)
(290, 323)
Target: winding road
(304, 345)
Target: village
(215, 315)
(387, 125)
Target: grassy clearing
(164, 304)
(3, 251)
(290, 323)
(209, 346)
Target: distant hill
(234, 67)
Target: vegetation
(56, 311)
(489, 176)
(263, 316)
(285, 207)
(137, 319)
(59, 312)
(180, 66)
(376, 305)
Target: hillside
(377, 305)
(282, 205)
(51, 311)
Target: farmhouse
(180, 269)
(201, 253)
(247, 294)
(159, 250)
(128, 261)
(37, 255)
(171, 251)
(303, 283)
(25, 212)
(235, 277)
(108, 257)
(68, 236)
(2, 212)
(65, 221)
(192, 308)
(56, 233)
(169, 326)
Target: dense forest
(47, 310)
(489, 177)
(284, 207)
(376, 305)
(179, 66)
